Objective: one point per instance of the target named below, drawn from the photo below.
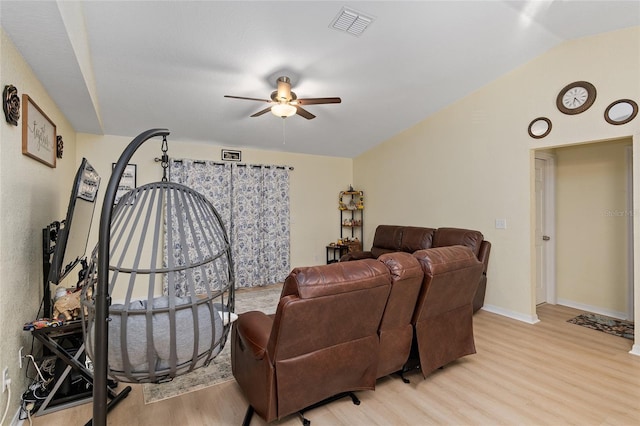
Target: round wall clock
(576, 97)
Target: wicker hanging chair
(159, 294)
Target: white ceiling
(120, 68)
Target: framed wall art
(127, 181)
(38, 133)
(231, 155)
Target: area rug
(608, 325)
(263, 299)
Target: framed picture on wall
(127, 181)
(231, 155)
(38, 133)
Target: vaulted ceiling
(120, 68)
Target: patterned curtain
(213, 180)
(253, 202)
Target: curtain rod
(219, 163)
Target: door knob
(546, 238)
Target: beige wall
(314, 184)
(592, 234)
(33, 195)
(472, 162)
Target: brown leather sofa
(393, 238)
(339, 327)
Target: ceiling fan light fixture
(284, 89)
(283, 110)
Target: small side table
(51, 338)
(334, 253)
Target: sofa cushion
(336, 278)
(416, 238)
(388, 237)
(376, 252)
(457, 236)
(442, 260)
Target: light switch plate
(501, 223)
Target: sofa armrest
(483, 255)
(357, 255)
(254, 329)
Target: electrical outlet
(5, 378)
(20, 356)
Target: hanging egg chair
(159, 295)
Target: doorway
(586, 262)
(544, 228)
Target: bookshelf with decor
(351, 206)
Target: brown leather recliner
(396, 328)
(480, 247)
(393, 238)
(322, 340)
(443, 318)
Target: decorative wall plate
(11, 104)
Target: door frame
(630, 214)
(549, 224)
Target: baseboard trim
(635, 349)
(594, 309)
(529, 319)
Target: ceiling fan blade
(304, 113)
(247, 99)
(317, 101)
(259, 113)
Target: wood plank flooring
(550, 373)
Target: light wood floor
(550, 373)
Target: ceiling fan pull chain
(284, 134)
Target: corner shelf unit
(351, 205)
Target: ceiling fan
(285, 103)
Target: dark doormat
(608, 325)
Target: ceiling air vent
(351, 21)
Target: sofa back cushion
(328, 305)
(396, 330)
(443, 316)
(387, 239)
(416, 238)
(457, 236)
(324, 338)
(406, 279)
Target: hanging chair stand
(185, 318)
(102, 298)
